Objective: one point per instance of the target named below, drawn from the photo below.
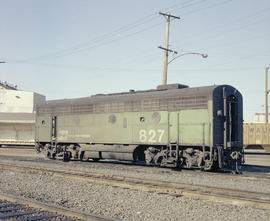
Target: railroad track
(20, 208)
(235, 197)
(17, 208)
(251, 172)
(258, 172)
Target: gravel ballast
(121, 203)
(127, 204)
(196, 177)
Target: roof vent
(6, 85)
(171, 86)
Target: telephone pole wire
(168, 17)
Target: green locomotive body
(171, 126)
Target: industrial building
(17, 115)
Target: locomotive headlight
(219, 113)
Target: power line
(199, 9)
(111, 41)
(98, 39)
(80, 67)
(229, 24)
(241, 27)
(208, 7)
(187, 6)
(89, 44)
(231, 29)
(176, 6)
(241, 41)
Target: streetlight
(166, 66)
(203, 55)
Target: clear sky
(76, 48)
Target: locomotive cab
(228, 134)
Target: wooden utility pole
(168, 17)
(266, 94)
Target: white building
(13, 100)
(17, 115)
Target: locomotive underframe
(205, 158)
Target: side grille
(156, 104)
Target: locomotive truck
(173, 126)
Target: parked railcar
(257, 136)
(173, 125)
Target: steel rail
(229, 196)
(257, 173)
(54, 208)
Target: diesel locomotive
(173, 126)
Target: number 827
(151, 136)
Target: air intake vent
(171, 86)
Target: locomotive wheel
(158, 160)
(215, 166)
(66, 156)
(50, 155)
(47, 154)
